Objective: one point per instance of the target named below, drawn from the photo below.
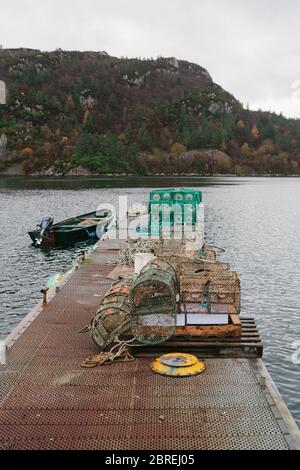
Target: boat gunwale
(96, 221)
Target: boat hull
(75, 230)
(69, 238)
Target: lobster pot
(216, 266)
(213, 267)
(194, 307)
(224, 276)
(163, 268)
(190, 268)
(113, 317)
(222, 309)
(193, 286)
(225, 290)
(219, 290)
(225, 297)
(193, 296)
(153, 303)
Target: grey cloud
(250, 49)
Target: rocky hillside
(90, 113)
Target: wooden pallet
(248, 345)
(233, 329)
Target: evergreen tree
(32, 77)
(88, 122)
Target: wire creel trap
(113, 316)
(153, 303)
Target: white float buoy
(141, 260)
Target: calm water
(257, 221)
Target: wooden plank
(247, 345)
(233, 329)
(216, 340)
(235, 319)
(209, 344)
(201, 354)
(250, 334)
(204, 351)
(207, 331)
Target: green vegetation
(105, 154)
(110, 115)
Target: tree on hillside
(27, 153)
(222, 162)
(70, 104)
(112, 106)
(177, 149)
(246, 151)
(255, 133)
(88, 122)
(144, 139)
(46, 132)
(31, 78)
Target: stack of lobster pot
(153, 300)
(113, 317)
(210, 292)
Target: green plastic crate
(169, 207)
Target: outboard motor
(45, 226)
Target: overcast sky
(250, 48)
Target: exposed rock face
(79, 171)
(173, 62)
(87, 102)
(206, 74)
(138, 81)
(220, 107)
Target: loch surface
(256, 220)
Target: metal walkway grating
(47, 401)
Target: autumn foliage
(26, 153)
(135, 116)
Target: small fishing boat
(84, 227)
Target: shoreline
(188, 175)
